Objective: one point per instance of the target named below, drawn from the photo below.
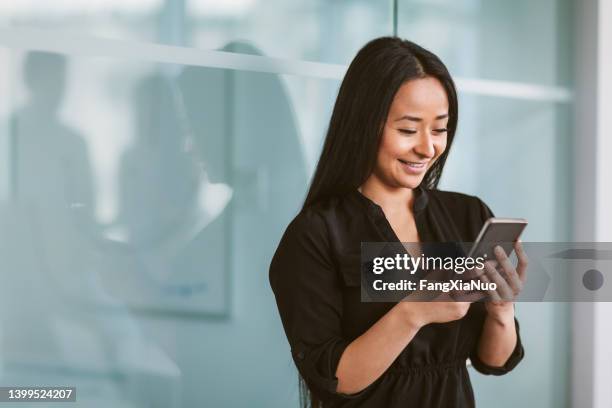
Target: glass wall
(144, 188)
(312, 30)
(514, 153)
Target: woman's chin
(411, 183)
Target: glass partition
(141, 202)
(522, 40)
(312, 30)
(145, 204)
(515, 155)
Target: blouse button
(300, 355)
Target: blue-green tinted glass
(143, 206)
(521, 40)
(515, 155)
(314, 30)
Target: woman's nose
(425, 146)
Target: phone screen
(503, 233)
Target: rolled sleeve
(307, 288)
(517, 355)
(317, 365)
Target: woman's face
(414, 135)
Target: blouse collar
(419, 204)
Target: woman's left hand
(509, 286)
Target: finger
(502, 258)
(523, 260)
(492, 294)
(503, 290)
(511, 274)
(470, 275)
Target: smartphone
(497, 231)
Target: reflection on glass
(51, 335)
(147, 199)
(208, 171)
(320, 30)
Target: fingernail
(498, 250)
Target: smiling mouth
(414, 165)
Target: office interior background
(153, 151)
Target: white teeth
(413, 164)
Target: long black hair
(365, 96)
(355, 128)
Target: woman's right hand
(425, 307)
(421, 313)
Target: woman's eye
(441, 130)
(407, 131)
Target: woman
(389, 136)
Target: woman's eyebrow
(417, 119)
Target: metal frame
(592, 322)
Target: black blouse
(315, 276)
